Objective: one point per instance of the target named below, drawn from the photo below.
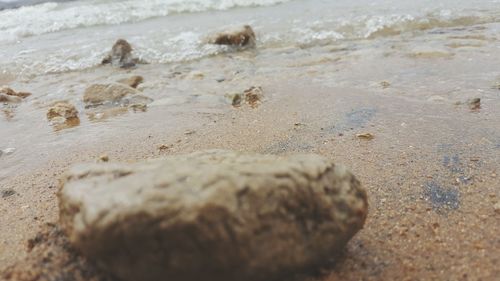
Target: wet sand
(431, 171)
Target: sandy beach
(430, 163)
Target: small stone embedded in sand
(243, 37)
(385, 84)
(120, 55)
(474, 104)
(100, 94)
(64, 110)
(139, 107)
(212, 215)
(365, 136)
(235, 99)
(104, 158)
(133, 81)
(163, 147)
(496, 207)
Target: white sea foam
(56, 37)
(51, 17)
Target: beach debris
(228, 215)
(365, 136)
(121, 55)
(385, 84)
(241, 37)
(474, 104)
(7, 192)
(254, 96)
(133, 81)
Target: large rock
(120, 55)
(213, 215)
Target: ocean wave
(52, 17)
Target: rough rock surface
(238, 37)
(213, 215)
(62, 109)
(99, 94)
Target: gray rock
(212, 215)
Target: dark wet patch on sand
(353, 120)
(292, 144)
(453, 163)
(441, 197)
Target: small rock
(104, 158)
(196, 75)
(133, 81)
(227, 215)
(62, 109)
(235, 99)
(365, 136)
(7, 192)
(474, 104)
(139, 107)
(238, 37)
(9, 99)
(163, 147)
(254, 96)
(120, 55)
(385, 84)
(100, 94)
